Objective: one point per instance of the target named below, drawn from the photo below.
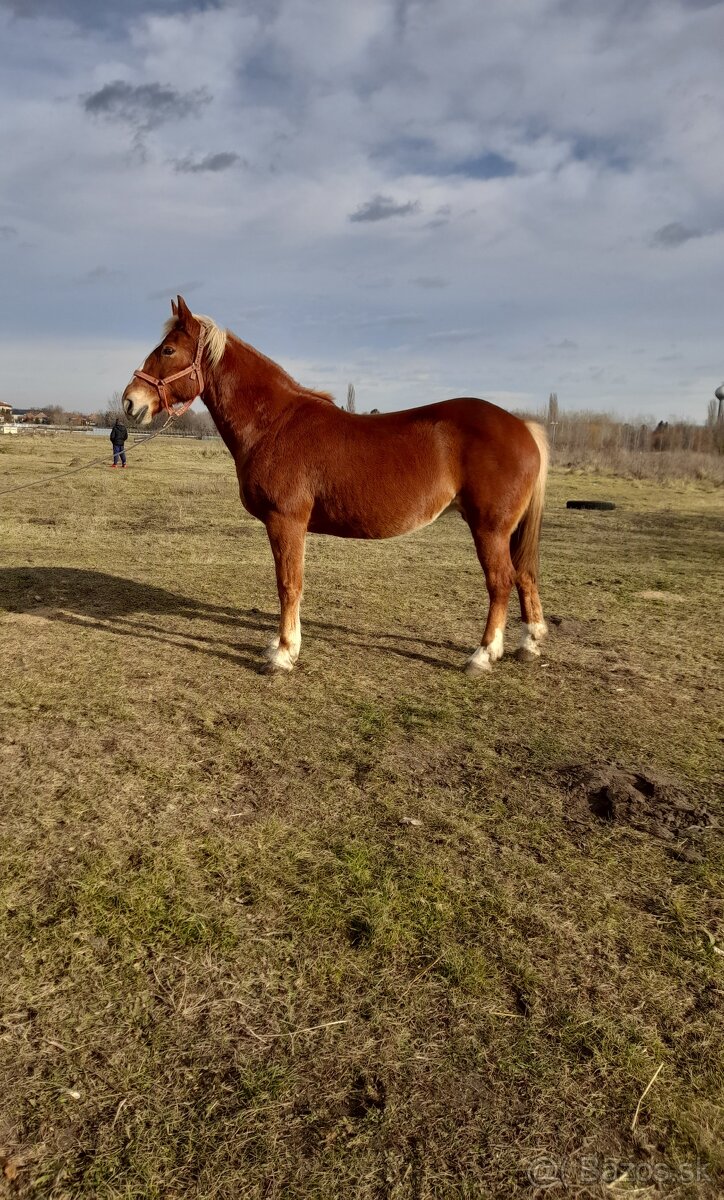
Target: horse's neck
(245, 394)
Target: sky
(427, 198)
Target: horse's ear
(183, 312)
(174, 309)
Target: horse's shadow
(113, 604)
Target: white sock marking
(532, 635)
(284, 660)
(484, 657)
(281, 660)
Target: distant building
(35, 418)
(7, 419)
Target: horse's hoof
(524, 655)
(475, 669)
(275, 668)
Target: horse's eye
(168, 350)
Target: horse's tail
(525, 541)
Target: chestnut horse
(306, 466)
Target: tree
(553, 408)
(350, 405)
(56, 413)
(712, 413)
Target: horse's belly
(382, 517)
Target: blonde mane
(215, 340)
(214, 337)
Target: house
(35, 418)
(7, 419)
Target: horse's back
(380, 475)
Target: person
(119, 433)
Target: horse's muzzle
(138, 411)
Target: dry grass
(662, 465)
(229, 970)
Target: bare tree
(350, 405)
(553, 408)
(712, 413)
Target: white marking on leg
(295, 640)
(479, 662)
(284, 659)
(495, 649)
(484, 657)
(532, 635)
(280, 660)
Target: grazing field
(373, 930)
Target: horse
(306, 466)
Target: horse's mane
(319, 395)
(215, 340)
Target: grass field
(231, 966)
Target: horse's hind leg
(531, 612)
(494, 554)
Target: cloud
(91, 13)
(674, 234)
(381, 208)
(453, 336)
(390, 321)
(423, 156)
(178, 289)
(212, 162)
(441, 217)
(520, 194)
(100, 274)
(7, 232)
(608, 152)
(488, 165)
(144, 106)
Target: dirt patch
(669, 597)
(651, 802)
(575, 627)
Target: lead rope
(48, 479)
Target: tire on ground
(601, 505)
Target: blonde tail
(525, 542)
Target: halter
(160, 384)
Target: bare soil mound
(649, 801)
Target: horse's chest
(253, 492)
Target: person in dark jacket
(119, 433)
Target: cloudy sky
(426, 197)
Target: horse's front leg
(287, 536)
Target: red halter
(194, 369)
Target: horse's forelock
(214, 337)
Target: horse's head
(172, 372)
